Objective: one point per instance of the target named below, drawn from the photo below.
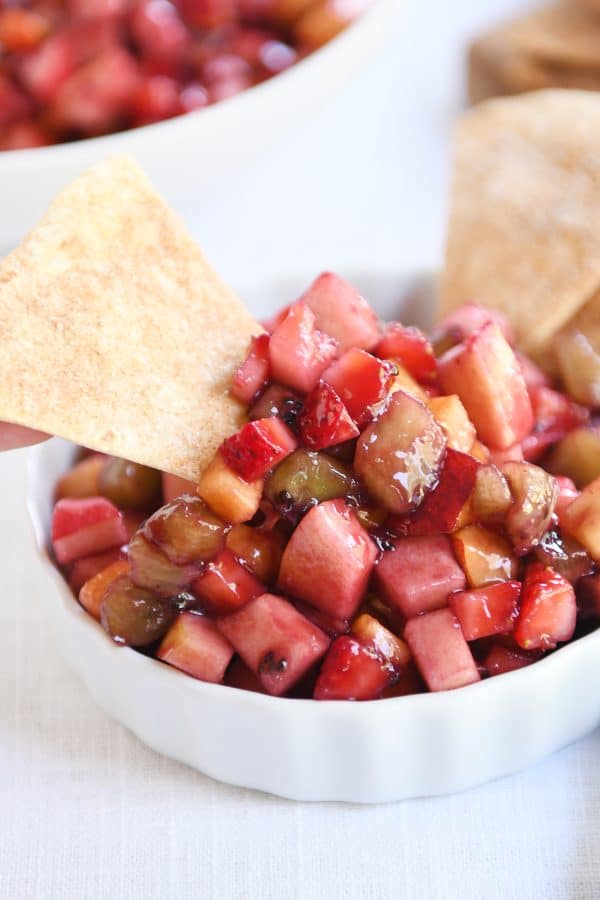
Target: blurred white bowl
(306, 750)
(182, 154)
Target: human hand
(13, 436)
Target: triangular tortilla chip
(116, 333)
(524, 228)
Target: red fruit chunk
(258, 447)
(400, 455)
(24, 135)
(441, 651)
(548, 609)
(555, 414)
(533, 375)
(21, 30)
(98, 9)
(253, 374)
(260, 551)
(488, 610)
(85, 527)
(278, 643)
(157, 98)
(342, 313)
(441, 509)
(392, 650)
(469, 318)
(298, 351)
(501, 659)
(351, 671)
(87, 567)
(486, 375)
(328, 560)
(13, 103)
(325, 421)
(418, 574)
(225, 585)
(158, 30)
(411, 347)
(195, 645)
(94, 588)
(362, 381)
(43, 71)
(331, 625)
(208, 13)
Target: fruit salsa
(401, 512)
(82, 68)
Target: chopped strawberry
(195, 645)
(325, 421)
(548, 609)
(277, 643)
(362, 381)
(342, 313)
(92, 591)
(298, 351)
(258, 447)
(85, 527)
(351, 671)
(441, 651)
(488, 610)
(253, 374)
(225, 585)
(411, 347)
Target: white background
(88, 812)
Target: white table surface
(85, 810)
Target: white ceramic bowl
(305, 750)
(183, 154)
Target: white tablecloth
(85, 810)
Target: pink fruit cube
(486, 611)
(325, 421)
(441, 651)
(361, 381)
(411, 347)
(487, 377)
(328, 560)
(351, 671)
(195, 645)
(158, 30)
(253, 374)
(85, 527)
(342, 313)
(418, 575)
(225, 585)
(548, 610)
(258, 447)
(581, 518)
(45, 69)
(277, 643)
(298, 351)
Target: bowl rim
(429, 700)
(212, 113)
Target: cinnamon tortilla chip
(524, 227)
(116, 333)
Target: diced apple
(441, 651)
(325, 421)
(401, 454)
(488, 610)
(82, 480)
(225, 585)
(403, 381)
(581, 518)
(578, 455)
(298, 351)
(259, 551)
(484, 556)
(232, 498)
(362, 381)
(392, 649)
(418, 574)
(85, 568)
(253, 374)
(534, 493)
(452, 416)
(92, 592)
(328, 560)
(548, 609)
(257, 447)
(486, 375)
(342, 313)
(85, 527)
(351, 671)
(278, 643)
(173, 487)
(195, 645)
(411, 347)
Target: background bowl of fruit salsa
(382, 750)
(236, 107)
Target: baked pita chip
(524, 226)
(116, 333)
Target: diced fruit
(133, 615)
(491, 498)
(238, 675)
(548, 609)
(579, 365)
(410, 682)
(564, 554)
(578, 455)
(224, 585)
(331, 625)
(92, 591)
(342, 313)
(588, 597)
(306, 478)
(510, 454)
(488, 610)
(328, 560)
(484, 556)
(534, 495)
(278, 401)
(411, 347)
(392, 649)
(46, 68)
(486, 375)
(298, 351)
(152, 569)
(480, 452)
(186, 531)
(21, 30)
(259, 551)
(352, 671)
(400, 455)
(403, 381)
(461, 323)
(441, 651)
(258, 447)
(232, 498)
(325, 421)
(452, 416)
(323, 21)
(501, 659)
(158, 31)
(82, 480)
(173, 486)
(555, 415)
(362, 381)
(84, 569)
(533, 375)
(195, 645)
(129, 485)
(253, 374)
(581, 518)
(418, 574)
(85, 527)
(567, 492)
(278, 643)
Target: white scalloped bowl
(185, 154)
(369, 752)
